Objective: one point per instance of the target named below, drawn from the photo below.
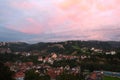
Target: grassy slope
(110, 78)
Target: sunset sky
(59, 20)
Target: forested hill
(60, 47)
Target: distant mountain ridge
(60, 47)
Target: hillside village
(53, 59)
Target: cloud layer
(58, 20)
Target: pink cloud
(71, 17)
(32, 27)
(91, 13)
(31, 20)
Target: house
(54, 55)
(111, 52)
(19, 75)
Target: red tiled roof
(19, 74)
(93, 76)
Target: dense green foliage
(65, 76)
(13, 58)
(5, 73)
(69, 46)
(71, 63)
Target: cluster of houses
(43, 69)
(101, 51)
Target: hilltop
(67, 47)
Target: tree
(32, 75)
(5, 73)
(66, 76)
